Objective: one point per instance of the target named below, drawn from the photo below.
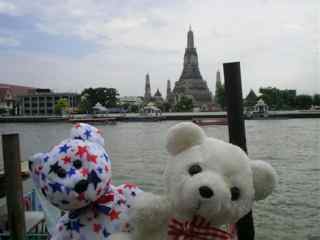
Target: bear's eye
(61, 173)
(194, 169)
(235, 193)
(77, 164)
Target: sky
(69, 45)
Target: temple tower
(191, 82)
(168, 89)
(147, 92)
(218, 76)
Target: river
(138, 155)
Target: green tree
(316, 100)
(303, 101)
(288, 99)
(91, 96)
(272, 97)
(185, 104)
(220, 94)
(61, 105)
(279, 99)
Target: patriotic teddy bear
(75, 176)
(210, 184)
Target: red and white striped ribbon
(196, 229)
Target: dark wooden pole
(11, 158)
(237, 132)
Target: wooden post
(237, 133)
(11, 158)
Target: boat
(210, 121)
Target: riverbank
(164, 116)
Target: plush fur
(205, 177)
(75, 176)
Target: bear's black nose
(205, 192)
(81, 186)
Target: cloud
(8, 42)
(274, 40)
(8, 8)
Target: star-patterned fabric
(99, 220)
(87, 132)
(75, 176)
(73, 173)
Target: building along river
(138, 154)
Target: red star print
(77, 125)
(84, 172)
(106, 198)
(114, 215)
(81, 151)
(106, 168)
(66, 159)
(129, 185)
(81, 196)
(92, 158)
(120, 191)
(96, 227)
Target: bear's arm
(149, 216)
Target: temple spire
(190, 43)
(147, 93)
(190, 62)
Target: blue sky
(68, 45)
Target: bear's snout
(206, 192)
(81, 186)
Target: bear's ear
(182, 136)
(35, 160)
(87, 132)
(264, 179)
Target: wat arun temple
(190, 84)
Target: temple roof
(158, 93)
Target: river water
(138, 155)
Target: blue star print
(43, 177)
(87, 133)
(56, 187)
(76, 225)
(64, 148)
(71, 172)
(106, 157)
(105, 233)
(46, 158)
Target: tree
(303, 101)
(61, 105)
(272, 97)
(279, 99)
(316, 100)
(185, 104)
(91, 96)
(220, 94)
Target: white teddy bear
(209, 184)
